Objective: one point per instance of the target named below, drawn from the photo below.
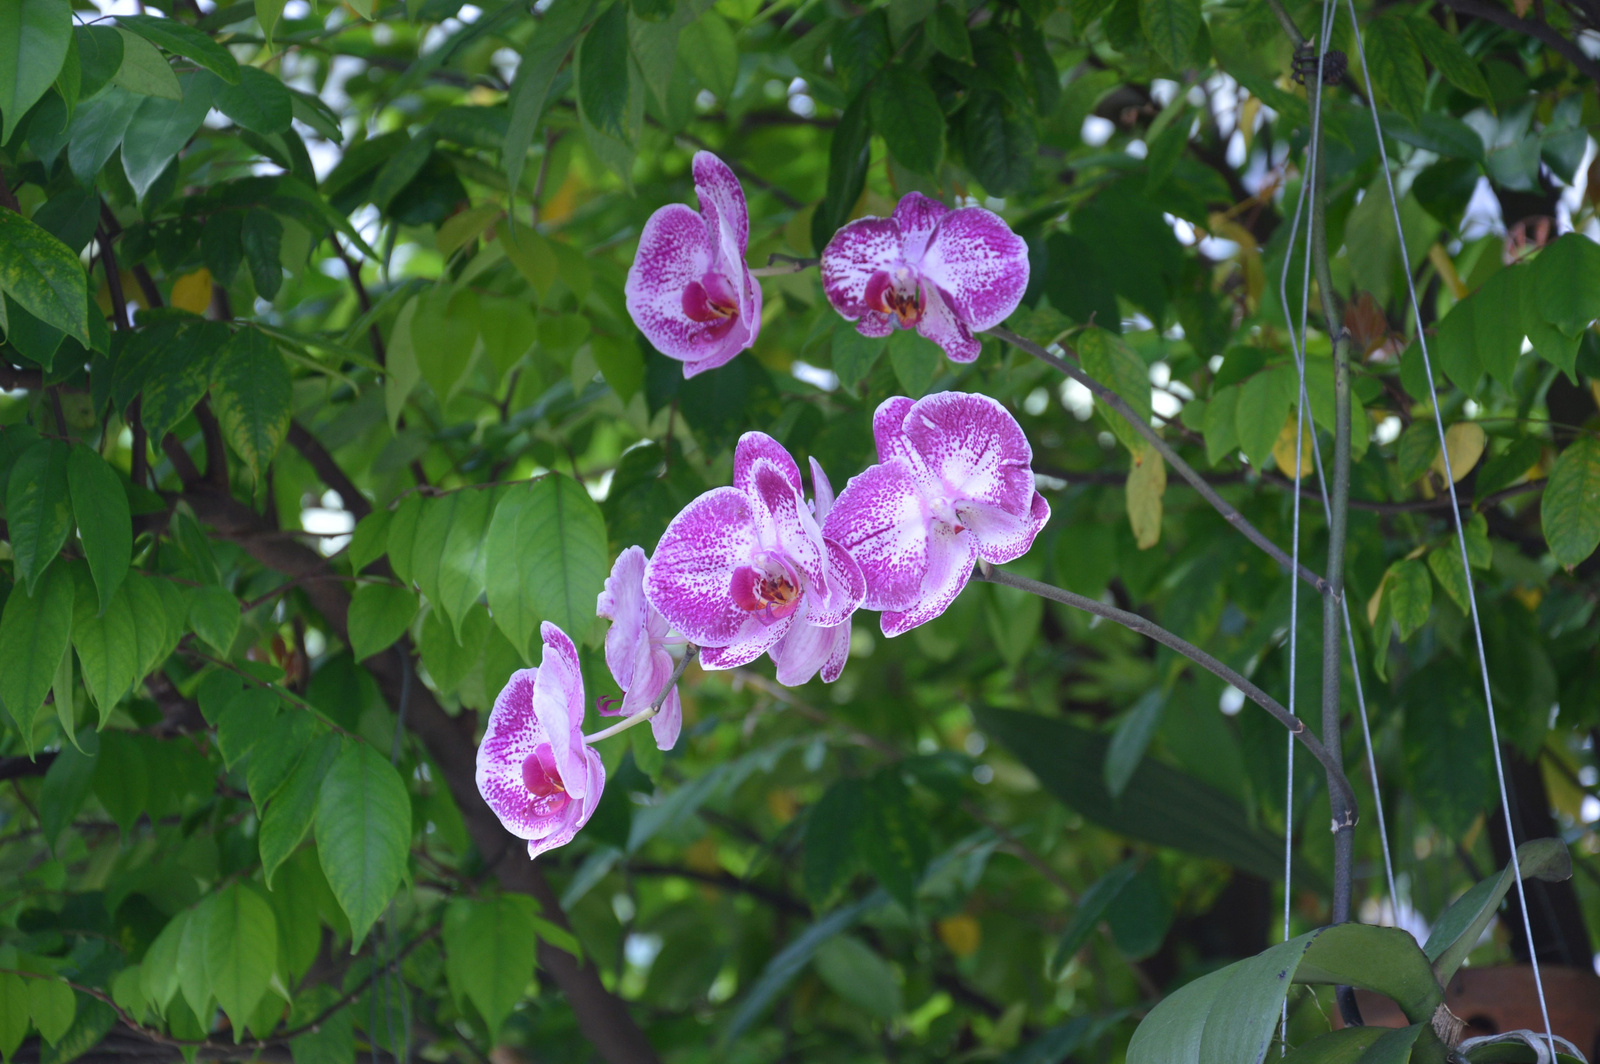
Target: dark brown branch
(12, 378)
(17, 768)
(328, 470)
(1541, 31)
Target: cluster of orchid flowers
(755, 568)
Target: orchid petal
(667, 724)
(980, 264)
(889, 428)
(622, 602)
(974, 447)
(673, 253)
(722, 202)
(509, 739)
(754, 641)
(838, 654)
(951, 556)
(855, 253)
(559, 702)
(806, 649)
(940, 324)
(754, 446)
(847, 585)
(880, 520)
(1003, 537)
(821, 492)
(918, 218)
(876, 324)
(719, 350)
(578, 811)
(690, 577)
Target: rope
(1461, 535)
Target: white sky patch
(815, 376)
(1077, 399)
(1138, 149)
(1037, 402)
(1096, 130)
(1387, 430)
(1232, 701)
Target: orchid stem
(1140, 425)
(691, 652)
(1144, 626)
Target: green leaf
(1416, 449)
(193, 978)
(1172, 27)
(1483, 333)
(892, 836)
(161, 127)
(35, 630)
(1132, 737)
(450, 659)
(261, 237)
(1445, 564)
(1114, 364)
(1448, 767)
(547, 560)
(67, 784)
(178, 374)
(186, 41)
(489, 953)
(144, 70)
(267, 13)
(379, 615)
(1000, 142)
(1161, 805)
(830, 841)
(1570, 509)
(849, 151)
(916, 361)
(13, 1013)
(214, 616)
(241, 951)
(854, 355)
(275, 755)
(1221, 424)
(38, 507)
(99, 57)
(463, 561)
(947, 31)
(158, 974)
(1396, 65)
(245, 721)
(1343, 1046)
(370, 540)
(251, 394)
(52, 1005)
(1264, 402)
(1456, 932)
(1410, 595)
(710, 51)
(289, 813)
(536, 73)
(1092, 905)
(906, 114)
(1448, 57)
(363, 834)
(605, 73)
(108, 538)
(1567, 274)
(34, 38)
(44, 276)
(259, 102)
(853, 971)
(444, 334)
(107, 645)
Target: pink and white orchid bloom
(807, 647)
(689, 290)
(636, 648)
(946, 273)
(742, 566)
(954, 484)
(534, 769)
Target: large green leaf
(547, 560)
(180, 39)
(107, 537)
(1172, 27)
(1396, 65)
(1444, 51)
(252, 396)
(289, 813)
(1160, 805)
(536, 73)
(379, 615)
(1570, 509)
(241, 951)
(1459, 927)
(1568, 276)
(34, 632)
(44, 276)
(161, 127)
(489, 953)
(38, 506)
(1111, 362)
(906, 114)
(849, 150)
(463, 561)
(363, 834)
(34, 37)
(831, 853)
(1343, 1046)
(107, 644)
(860, 976)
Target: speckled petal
(722, 202)
(918, 218)
(667, 724)
(622, 602)
(838, 653)
(805, 650)
(940, 324)
(951, 556)
(847, 586)
(855, 253)
(754, 446)
(689, 580)
(821, 492)
(880, 520)
(509, 739)
(673, 251)
(755, 640)
(889, 428)
(558, 700)
(974, 447)
(980, 263)
(876, 324)
(579, 810)
(719, 350)
(1003, 537)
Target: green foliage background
(277, 273)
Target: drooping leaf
(184, 40)
(1568, 277)
(547, 560)
(107, 644)
(241, 951)
(289, 814)
(161, 127)
(852, 970)
(43, 275)
(214, 616)
(489, 953)
(35, 629)
(1172, 27)
(252, 393)
(363, 825)
(1396, 65)
(530, 89)
(34, 37)
(107, 537)
(1570, 509)
(379, 615)
(906, 113)
(38, 507)
(259, 102)
(1456, 932)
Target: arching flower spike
(689, 290)
(533, 767)
(636, 651)
(742, 565)
(946, 273)
(954, 484)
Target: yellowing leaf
(461, 229)
(1147, 482)
(1283, 450)
(1464, 441)
(961, 933)
(192, 291)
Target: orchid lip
(769, 588)
(899, 293)
(710, 299)
(547, 792)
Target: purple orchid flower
(946, 273)
(743, 566)
(689, 290)
(534, 768)
(807, 647)
(636, 648)
(954, 484)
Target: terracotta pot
(1502, 998)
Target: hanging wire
(1299, 451)
(1461, 535)
(1297, 343)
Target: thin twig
(689, 654)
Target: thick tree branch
(1144, 626)
(601, 1015)
(1184, 470)
(328, 470)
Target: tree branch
(1144, 626)
(1184, 470)
(1541, 31)
(328, 470)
